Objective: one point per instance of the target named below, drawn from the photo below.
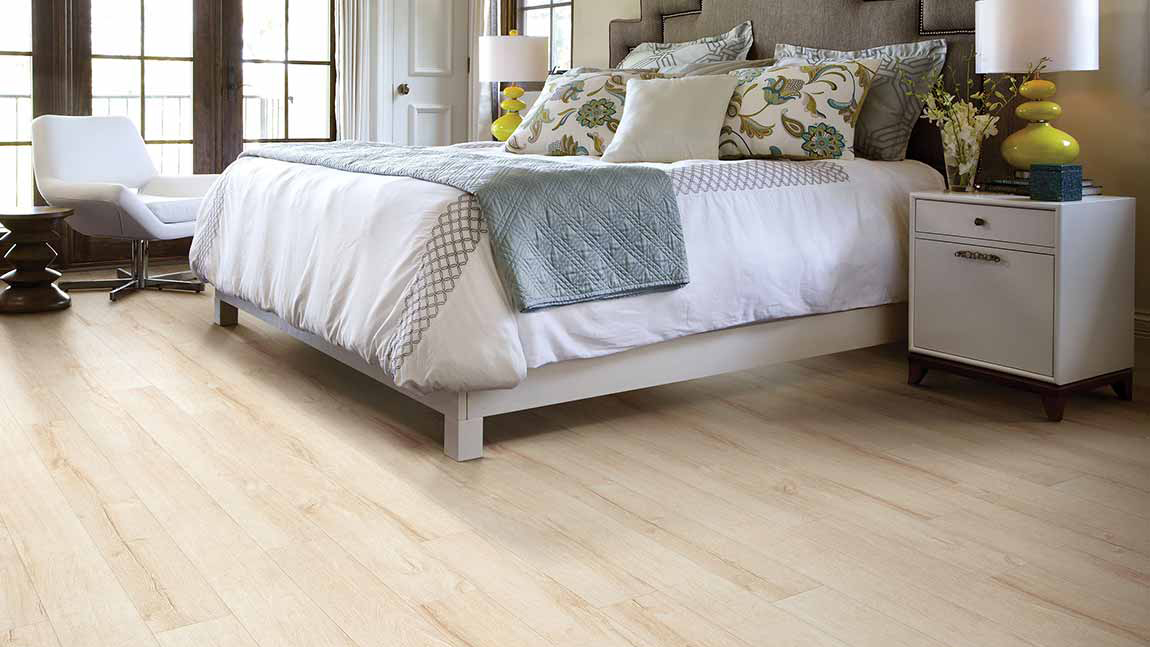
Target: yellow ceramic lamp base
(505, 126)
(1040, 142)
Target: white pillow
(670, 120)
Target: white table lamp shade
(1011, 35)
(519, 59)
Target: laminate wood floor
(165, 482)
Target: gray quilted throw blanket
(561, 233)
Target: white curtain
(355, 25)
(484, 22)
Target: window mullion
(143, 70)
(549, 8)
(285, 132)
(27, 55)
(287, 51)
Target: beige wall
(1108, 111)
(590, 35)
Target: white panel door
(430, 73)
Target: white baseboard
(1142, 324)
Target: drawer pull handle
(979, 222)
(978, 256)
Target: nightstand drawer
(986, 304)
(1007, 224)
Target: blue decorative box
(1056, 182)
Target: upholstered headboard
(837, 24)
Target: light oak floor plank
(19, 604)
(272, 608)
(853, 622)
(221, 632)
(655, 621)
(359, 602)
(163, 584)
(167, 482)
(985, 596)
(80, 593)
(40, 634)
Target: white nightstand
(1037, 295)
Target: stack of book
(1020, 185)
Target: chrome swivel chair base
(137, 278)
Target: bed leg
(463, 439)
(226, 315)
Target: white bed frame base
(677, 360)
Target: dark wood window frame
(287, 62)
(143, 59)
(16, 143)
(521, 10)
(62, 79)
(62, 85)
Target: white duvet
(400, 272)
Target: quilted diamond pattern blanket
(560, 232)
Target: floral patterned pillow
(889, 117)
(731, 46)
(576, 114)
(549, 87)
(797, 111)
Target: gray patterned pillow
(731, 46)
(888, 115)
(692, 69)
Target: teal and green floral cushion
(889, 116)
(796, 112)
(576, 114)
(731, 46)
(549, 87)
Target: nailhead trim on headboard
(666, 17)
(949, 19)
(922, 30)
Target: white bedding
(400, 271)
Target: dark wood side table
(32, 284)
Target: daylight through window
(16, 104)
(142, 70)
(553, 20)
(289, 71)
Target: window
(289, 71)
(174, 68)
(550, 18)
(16, 104)
(142, 69)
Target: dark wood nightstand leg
(1054, 396)
(1055, 405)
(1125, 387)
(916, 372)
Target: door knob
(403, 89)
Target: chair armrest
(179, 186)
(60, 193)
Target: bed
(788, 260)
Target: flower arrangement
(967, 118)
